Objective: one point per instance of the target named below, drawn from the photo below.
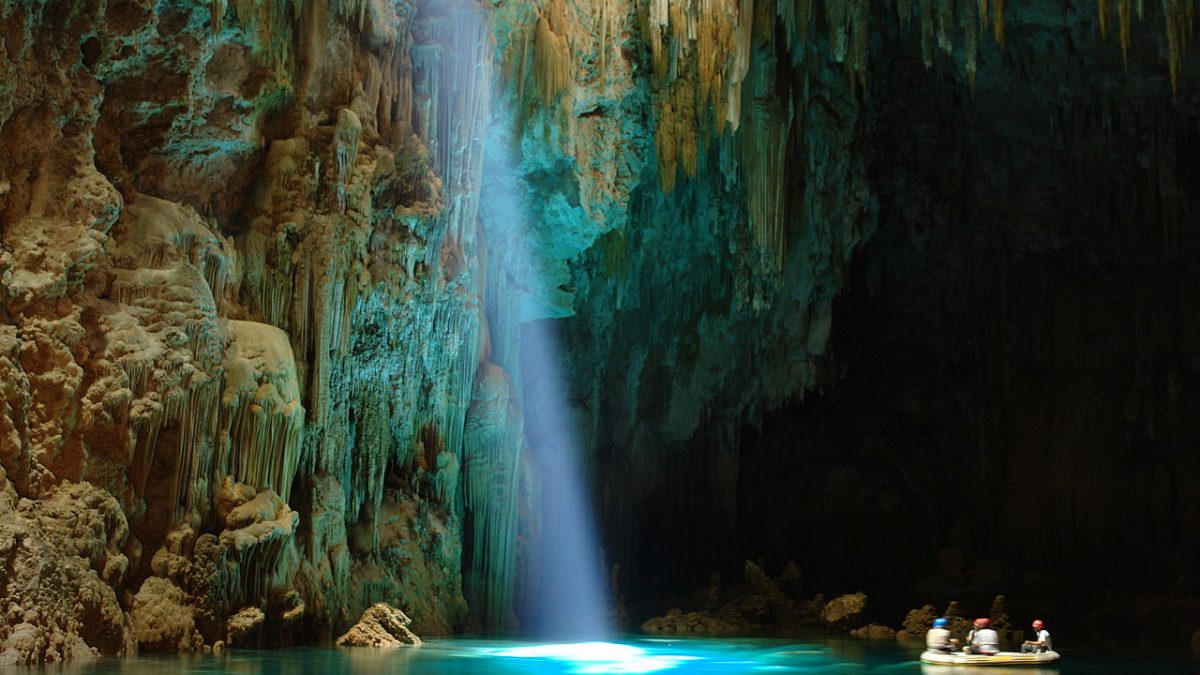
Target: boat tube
(1000, 659)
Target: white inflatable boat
(1001, 659)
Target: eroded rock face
(240, 305)
(62, 556)
(161, 619)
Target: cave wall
(1015, 348)
(1038, 133)
(240, 292)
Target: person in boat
(1041, 643)
(938, 637)
(982, 639)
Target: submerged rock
(380, 626)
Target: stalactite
(1104, 10)
(945, 25)
(1124, 8)
(353, 11)
(927, 32)
(551, 62)
(763, 163)
(259, 534)
(717, 31)
(837, 14)
(346, 138)
(262, 419)
(904, 12)
(216, 9)
(970, 17)
(860, 42)
(998, 22)
(735, 73)
(1180, 18)
(268, 23)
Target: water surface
(669, 656)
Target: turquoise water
(675, 656)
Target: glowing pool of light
(598, 657)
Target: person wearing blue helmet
(938, 637)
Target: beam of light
(572, 603)
(567, 599)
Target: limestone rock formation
(380, 626)
(874, 631)
(244, 628)
(758, 604)
(63, 555)
(846, 611)
(238, 283)
(161, 618)
(916, 623)
(678, 622)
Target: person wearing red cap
(1041, 643)
(982, 639)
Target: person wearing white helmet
(938, 637)
(1041, 641)
(982, 639)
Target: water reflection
(930, 669)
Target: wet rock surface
(380, 626)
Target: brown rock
(916, 623)
(161, 619)
(244, 629)
(874, 632)
(846, 611)
(380, 626)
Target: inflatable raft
(1001, 659)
